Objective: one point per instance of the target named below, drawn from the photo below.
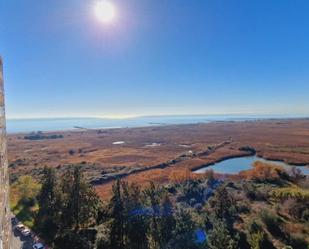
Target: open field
(158, 153)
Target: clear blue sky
(158, 57)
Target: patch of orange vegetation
(296, 228)
(157, 176)
(182, 175)
(263, 171)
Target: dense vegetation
(265, 207)
(23, 196)
(40, 136)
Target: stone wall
(5, 223)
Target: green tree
(219, 237)
(136, 223)
(72, 240)
(116, 207)
(26, 188)
(167, 221)
(258, 239)
(82, 203)
(48, 217)
(152, 194)
(68, 209)
(66, 187)
(184, 232)
(162, 221)
(222, 204)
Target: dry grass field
(159, 153)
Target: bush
(296, 175)
(250, 190)
(25, 189)
(23, 199)
(192, 192)
(72, 240)
(71, 152)
(297, 242)
(223, 204)
(209, 175)
(263, 192)
(258, 239)
(219, 237)
(40, 136)
(293, 192)
(272, 223)
(305, 215)
(297, 209)
(263, 172)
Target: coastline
(78, 128)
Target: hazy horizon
(124, 117)
(53, 124)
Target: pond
(235, 165)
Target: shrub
(180, 176)
(184, 234)
(192, 192)
(222, 204)
(272, 223)
(40, 136)
(72, 240)
(209, 175)
(305, 215)
(297, 242)
(263, 192)
(293, 192)
(296, 174)
(198, 207)
(250, 190)
(25, 189)
(263, 172)
(71, 152)
(219, 237)
(258, 239)
(297, 209)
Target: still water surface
(235, 165)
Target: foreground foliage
(23, 195)
(267, 210)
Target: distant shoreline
(79, 128)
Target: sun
(105, 11)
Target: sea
(63, 124)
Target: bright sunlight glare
(105, 11)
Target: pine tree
(117, 214)
(136, 219)
(154, 226)
(167, 222)
(48, 217)
(184, 232)
(219, 237)
(222, 204)
(82, 202)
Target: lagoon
(235, 165)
